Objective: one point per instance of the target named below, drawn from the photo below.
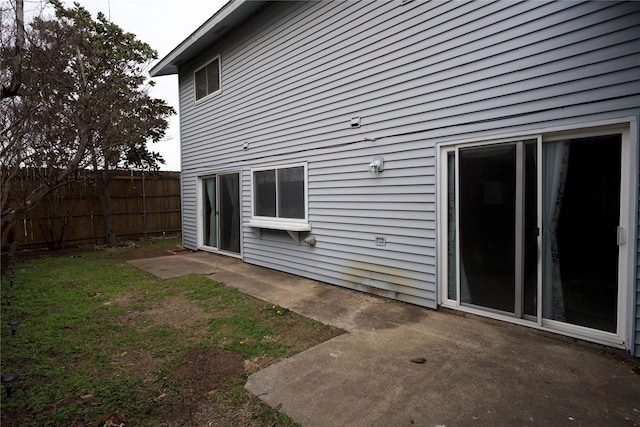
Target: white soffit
(229, 16)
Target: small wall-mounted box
(355, 122)
(380, 241)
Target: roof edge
(211, 30)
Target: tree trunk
(16, 67)
(102, 186)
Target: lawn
(102, 343)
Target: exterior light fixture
(9, 297)
(14, 325)
(7, 379)
(377, 165)
(12, 276)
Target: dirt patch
(203, 376)
(122, 299)
(119, 246)
(258, 363)
(206, 371)
(134, 362)
(180, 250)
(177, 312)
(200, 396)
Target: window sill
(293, 228)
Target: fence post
(144, 208)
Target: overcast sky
(162, 24)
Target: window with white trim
(279, 199)
(207, 79)
(279, 193)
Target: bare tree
(84, 103)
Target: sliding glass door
(220, 212)
(530, 229)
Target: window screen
(280, 192)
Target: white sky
(163, 24)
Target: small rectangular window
(279, 192)
(207, 79)
(265, 192)
(291, 191)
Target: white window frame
(292, 225)
(627, 128)
(195, 83)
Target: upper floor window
(207, 79)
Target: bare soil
(205, 375)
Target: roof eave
(229, 16)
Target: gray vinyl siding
(348, 210)
(637, 322)
(417, 73)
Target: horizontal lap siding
(637, 328)
(346, 219)
(417, 74)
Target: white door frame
(200, 212)
(628, 130)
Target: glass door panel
(531, 231)
(229, 212)
(451, 227)
(487, 223)
(581, 210)
(209, 220)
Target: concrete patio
(403, 365)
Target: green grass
(84, 313)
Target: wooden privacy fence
(142, 205)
